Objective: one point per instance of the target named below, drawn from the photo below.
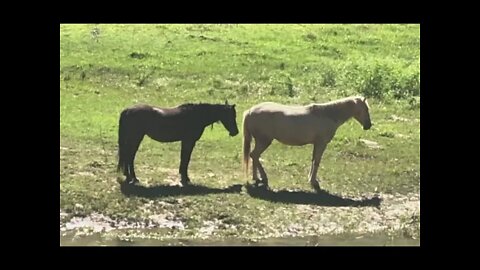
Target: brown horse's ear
(364, 99)
(226, 102)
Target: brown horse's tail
(247, 139)
(122, 142)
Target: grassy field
(369, 190)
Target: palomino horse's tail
(247, 139)
(122, 142)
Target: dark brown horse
(184, 123)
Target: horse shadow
(321, 198)
(167, 190)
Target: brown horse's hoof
(257, 182)
(132, 181)
(260, 181)
(185, 182)
(261, 185)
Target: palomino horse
(298, 125)
(184, 123)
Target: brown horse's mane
(193, 106)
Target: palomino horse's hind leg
(318, 150)
(260, 146)
(131, 177)
(186, 153)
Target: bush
(384, 80)
(328, 78)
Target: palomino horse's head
(361, 113)
(229, 119)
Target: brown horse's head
(361, 113)
(229, 119)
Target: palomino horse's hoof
(316, 186)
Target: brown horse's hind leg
(186, 153)
(134, 144)
(260, 146)
(318, 150)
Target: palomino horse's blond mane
(338, 110)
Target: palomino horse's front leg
(186, 152)
(260, 146)
(318, 149)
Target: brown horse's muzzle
(367, 127)
(234, 133)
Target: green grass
(167, 65)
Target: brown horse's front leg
(318, 149)
(186, 152)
